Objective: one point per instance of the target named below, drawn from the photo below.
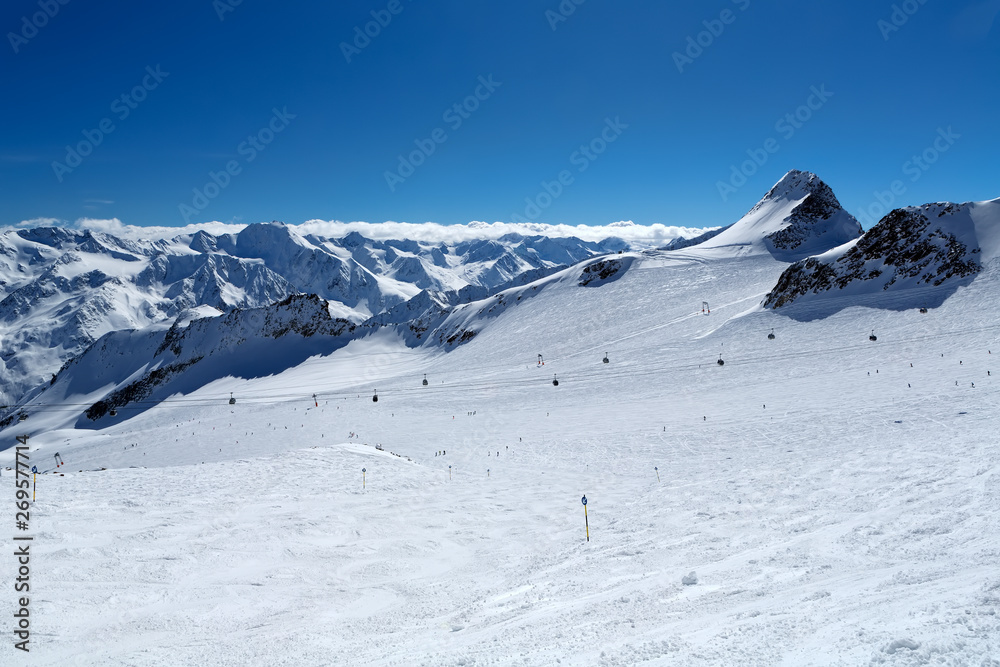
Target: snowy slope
(800, 216)
(915, 256)
(838, 505)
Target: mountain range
(125, 320)
(62, 289)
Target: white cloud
(111, 225)
(115, 227)
(41, 222)
(430, 232)
(426, 232)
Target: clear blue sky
(892, 90)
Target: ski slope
(838, 505)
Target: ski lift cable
(512, 383)
(505, 382)
(579, 381)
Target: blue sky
(568, 113)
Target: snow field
(851, 521)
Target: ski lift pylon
(705, 309)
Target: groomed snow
(837, 506)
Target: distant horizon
(428, 231)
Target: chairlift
(923, 311)
(375, 397)
(873, 337)
(770, 336)
(720, 361)
(606, 360)
(425, 380)
(232, 401)
(555, 381)
(113, 413)
(22, 417)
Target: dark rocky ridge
(909, 244)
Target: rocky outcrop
(910, 247)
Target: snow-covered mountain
(916, 255)
(64, 289)
(60, 289)
(932, 245)
(800, 216)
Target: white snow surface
(839, 506)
